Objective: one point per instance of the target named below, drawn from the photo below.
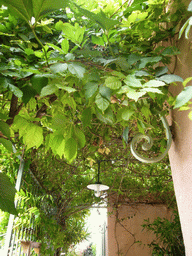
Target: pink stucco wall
(131, 218)
(180, 154)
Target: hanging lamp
(98, 187)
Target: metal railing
(17, 235)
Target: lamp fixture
(98, 187)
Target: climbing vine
(78, 80)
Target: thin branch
(129, 4)
(42, 111)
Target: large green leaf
(90, 89)
(38, 82)
(153, 90)
(28, 93)
(57, 144)
(132, 94)
(100, 18)
(147, 60)
(80, 137)
(170, 78)
(7, 144)
(59, 67)
(183, 97)
(26, 9)
(73, 33)
(132, 81)
(106, 117)
(7, 194)
(105, 92)
(86, 117)
(48, 90)
(70, 149)
(101, 102)
(16, 91)
(154, 83)
(33, 136)
(113, 82)
(21, 124)
(76, 69)
(4, 128)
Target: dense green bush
(169, 240)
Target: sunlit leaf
(170, 78)
(70, 149)
(132, 94)
(21, 124)
(59, 67)
(150, 89)
(76, 69)
(132, 81)
(65, 46)
(16, 91)
(100, 18)
(57, 144)
(33, 136)
(186, 81)
(154, 83)
(80, 137)
(101, 102)
(66, 88)
(26, 9)
(183, 97)
(113, 82)
(48, 90)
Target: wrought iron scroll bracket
(149, 143)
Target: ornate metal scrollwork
(149, 143)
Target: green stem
(110, 48)
(130, 2)
(38, 40)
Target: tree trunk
(57, 252)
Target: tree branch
(14, 109)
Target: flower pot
(37, 250)
(36, 246)
(26, 246)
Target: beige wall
(131, 218)
(180, 154)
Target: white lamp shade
(98, 188)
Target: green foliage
(187, 25)
(169, 240)
(55, 69)
(3, 226)
(7, 194)
(73, 84)
(37, 9)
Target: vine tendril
(149, 143)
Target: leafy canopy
(76, 86)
